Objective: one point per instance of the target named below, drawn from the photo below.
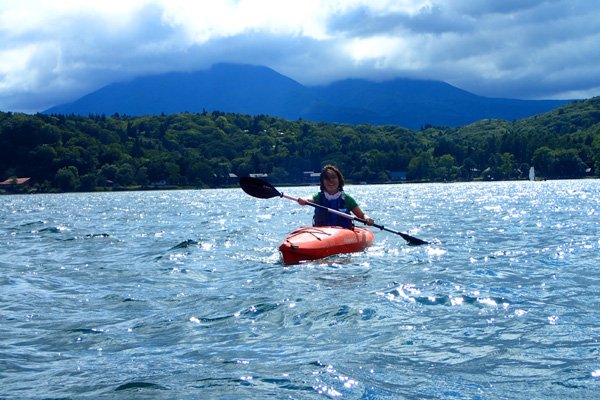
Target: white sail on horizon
(532, 174)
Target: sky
(53, 52)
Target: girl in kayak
(332, 195)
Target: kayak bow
(315, 242)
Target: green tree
(67, 179)
(543, 160)
(125, 174)
(88, 182)
(141, 176)
(108, 173)
(567, 164)
(446, 168)
(421, 167)
(508, 167)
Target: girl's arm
(360, 214)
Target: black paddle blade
(256, 187)
(413, 241)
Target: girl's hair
(331, 168)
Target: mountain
(257, 90)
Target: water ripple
(183, 295)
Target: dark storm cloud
(511, 48)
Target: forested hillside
(72, 153)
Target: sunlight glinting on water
(183, 294)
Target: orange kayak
(314, 242)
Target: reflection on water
(182, 295)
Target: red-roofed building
(14, 181)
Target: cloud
(54, 52)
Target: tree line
(76, 153)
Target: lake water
(181, 295)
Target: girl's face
(331, 182)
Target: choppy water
(181, 295)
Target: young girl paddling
(332, 195)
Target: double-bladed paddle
(261, 189)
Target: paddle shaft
(348, 216)
(331, 210)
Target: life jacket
(325, 218)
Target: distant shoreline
(236, 186)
